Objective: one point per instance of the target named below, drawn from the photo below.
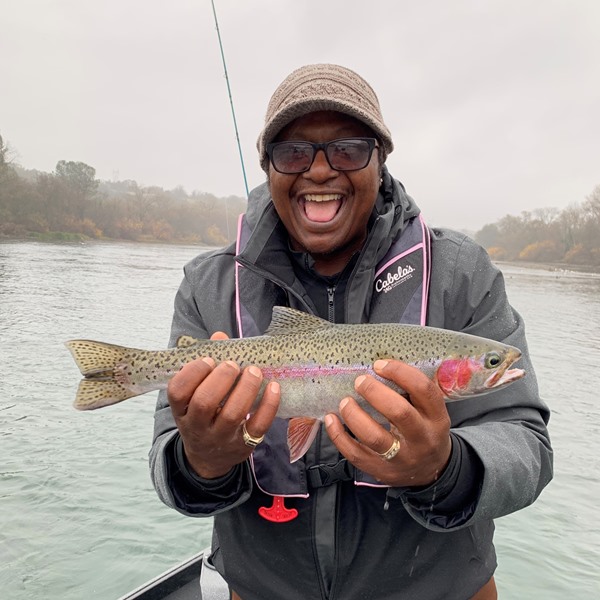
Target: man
(404, 511)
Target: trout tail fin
(97, 362)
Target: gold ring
(393, 450)
(249, 440)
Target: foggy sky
(494, 105)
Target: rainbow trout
(314, 361)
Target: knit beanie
(319, 87)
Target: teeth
(322, 197)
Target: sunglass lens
(292, 157)
(348, 155)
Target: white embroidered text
(393, 279)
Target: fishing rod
(237, 135)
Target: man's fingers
(182, 386)
(360, 453)
(240, 400)
(424, 394)
(219, 335)
(260, 421)
(343, 442)
(209, 396)
(368, 432)
(388, 402)
(372, 434)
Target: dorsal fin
(287, 320)
(185, 341)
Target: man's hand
(422, 427)
(210, 404)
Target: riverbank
(59, 237)
(559, 268)
(66, 237)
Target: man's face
(326, 211)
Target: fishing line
(237, 136)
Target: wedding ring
(249, 440)
(393, 450)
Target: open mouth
(321, 208)
(500, 379)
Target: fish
(315, 362)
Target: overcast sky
(494, 105)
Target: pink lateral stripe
(298, 372)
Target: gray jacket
(353, 542)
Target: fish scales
(315, 362)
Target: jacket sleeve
(175, 484)
(505, 443)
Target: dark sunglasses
(346, 154)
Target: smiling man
(370, 511)
(324, 209)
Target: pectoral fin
(301, 433)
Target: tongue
(322, 212)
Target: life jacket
(400, 294)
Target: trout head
(462, 377)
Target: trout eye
(492, 360)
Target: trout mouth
(503, 375)
(502, 378)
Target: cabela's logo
(393, 279)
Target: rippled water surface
(78, 515)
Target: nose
(320, 170)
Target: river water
(78, 515)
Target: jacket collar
(267, 250)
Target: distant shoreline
(58, 238)
(553, 267)
(80, 238)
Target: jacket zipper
(331, 304)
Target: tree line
(71, 201)
(549, 235)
